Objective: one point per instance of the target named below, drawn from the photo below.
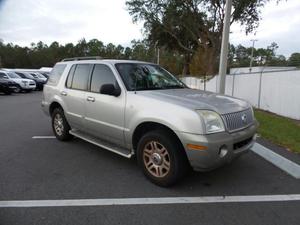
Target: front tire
(17, 89)
(161, 157)
(60, 125)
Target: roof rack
(82, 58)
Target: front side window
(137, 76)
(102, 74)
(81, 77)
(56, 73)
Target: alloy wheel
(156, 159)
(58, 124)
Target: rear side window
(70, 77)
(81, 77)
(56, 73)
(102, 74)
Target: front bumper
(28, 86)
(236, 144)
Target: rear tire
(161, 157)
(60, 125)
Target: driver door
(104, 113)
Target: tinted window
(137, 76)
(2, 75)
(102, 74)
(56, 73)
(28, 76)
(81, 77)
(21, 75)
(34, 75)
(70, 77)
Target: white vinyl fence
(277, 92)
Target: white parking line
(43, 137)
(150, 201)
(286, 165)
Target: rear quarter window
(56, 73)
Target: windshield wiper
(148, 88)
(173, 87)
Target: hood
(197, 99)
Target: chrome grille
(238, 120)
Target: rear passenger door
(74, 94)
(105, 113)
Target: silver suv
(138, 108)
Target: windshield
(13, 75)
(40, 76)
(137, 76)
(34, 75)
(29, 76)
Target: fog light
(223, 151)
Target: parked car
(39, 82)
(138, 108)
(26, 85)
(39, 76)
(45, 74)
(7, 86)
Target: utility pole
(251, 61)
(224, 48)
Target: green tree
(188, 26)
(294, 59)
(95, 48)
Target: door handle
(90, 99)
(63, 93)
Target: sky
(25, 21)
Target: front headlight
(213, 123)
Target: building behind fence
(274, 91)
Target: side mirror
(110, 89)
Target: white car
(39, 76)
(26, 85)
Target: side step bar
(103, 144)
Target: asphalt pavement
(46, 169)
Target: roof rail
(82, 58)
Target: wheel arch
(148, 126)
(53, 106)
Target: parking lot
(46, 169)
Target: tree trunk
(211, 61)
(186, 65)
